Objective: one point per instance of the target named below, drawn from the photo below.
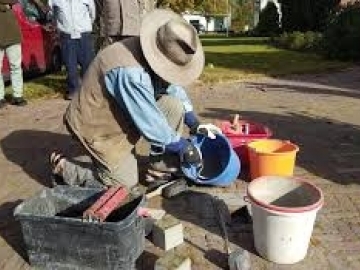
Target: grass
(44, 86)
(237, 58)
(227, 59)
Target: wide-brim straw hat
(171, 47)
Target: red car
(40, 42)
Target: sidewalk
(319, 113)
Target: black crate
(57, 238)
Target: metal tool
(168, 189)
(238, 259)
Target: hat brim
(162, 66)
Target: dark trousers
(76, 52)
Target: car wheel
(56, 61)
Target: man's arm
(180, 93)
(191, 119)
(92, 10)
(133, 91)
(39, 4)
(8, 2)
(50, 15)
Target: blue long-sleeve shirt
(73, 17)
(134, 92)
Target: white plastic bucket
(283, 211)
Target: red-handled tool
(107, 203)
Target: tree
(204, 6)
(176, 5)
(241, 14)
(269, 24)
(306, 15)
(342, 36)
(241, 10)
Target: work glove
(208, 130)
(187, 152)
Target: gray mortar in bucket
(284, 192)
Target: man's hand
(186, 150)
(209, 130)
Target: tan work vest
(93, 114)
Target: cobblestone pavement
(320, 113)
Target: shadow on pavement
(347, 80)
(10, 229)
(309, 87)
(328, 149)
(198, 209)
(146, 260)
(30, 149)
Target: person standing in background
(119, 19)
(10, 44)
(35, 10)
(74, 19)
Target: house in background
(221, 22)
(209, 23)
(197, 20)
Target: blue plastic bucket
(221, 165)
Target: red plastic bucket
(248, 132)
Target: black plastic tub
(57, 238)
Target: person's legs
(69, 56)
(125, 174)
(75, 174)
(2, 86)
(173, 110)
(14, 55)
(85, 51)
(72, 173)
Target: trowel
(238, 259)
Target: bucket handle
(240, 127)
(201, 166)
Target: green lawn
(50, 85)
(237, 58)
(227, 59)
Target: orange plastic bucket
(272, 157)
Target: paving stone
(173, 261)
(304, 114)
(167, 232)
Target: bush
(312, 41)
(342, 36)
(298, 41)
(306, 15)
